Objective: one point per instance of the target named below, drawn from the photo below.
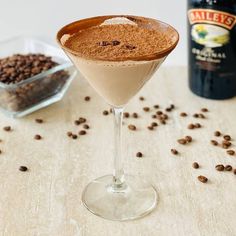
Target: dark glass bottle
(212, 48)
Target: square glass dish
(38, 91)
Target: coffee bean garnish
(82, 132)
(189, 139)
(104, 43)
(217, 133)
(154, 116)
(132, 127)
(228, 167)
(168, 109)
(159, 113)
(172, 106)
(182, 141)
(231, 152)
(115, 42)
(85, 126)
(146, 109)
(204, 110)
(197, 125)
(195, 115)
(139, 154)
(150, 127)
(220, 167)
(126, 114)
(227, 137)
(111, 110)
(37, 137)
(201, 116)
(130, 47)
(37, 120)
(77, 122)
(141, 98)
(154, 124)
(191, 126)
(82, 120)
(0, 151)
(174, 151)
(226, 143)
(156, 106)
(183, 114)
(23, 168)
(214, 142)
(69, 134)
(202, 178)
(74, 136)
(105, 113)
(195, 165)
(235, 171)
(7, 128)
(163, 122)
(87, 98)
(135, 115)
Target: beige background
(47, 199)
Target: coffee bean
(126, 114)
(82, 132)
(82, 120)
(227, 143)
(163, 122)
(130, 46)
(115, 42)
(201, 116)
(172, 106)
(204, 110)
(235, 171)
(69, 134)
(195, 115)
(37, 137)
(182, 141)
(228, 168)
(159, 113)
(87, 98)
(225, 146)
(154, 124)
(183, 114)
(103, 43)
(165, 117)
(227, 137)
(168, 109)
(85, 126)
(220, 167)
(146, 109)
(105, 113)
(195, 165)
(77, 122)
(191, 126)
(111, 110)
(231, 152)
(154, 116)
(150, 127)
(217, 133)
(214, 142)
(141, 98)
(23, 168)
(202, 178)
(174, 151)
(139, 154)
(197, 125)
(132, 127)
(135, 115)
(156, 106)
(39, 120)
(189, 139)
(74, 136)
(7, 128)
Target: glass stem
(118, 174)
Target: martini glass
(118, 196)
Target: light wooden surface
(47, 199)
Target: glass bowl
(41, 90)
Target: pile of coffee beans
(18, 68)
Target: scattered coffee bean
(154, 116)
(77, 122)
(201, 116)
(7, 128)
(227, 143)
(183, 114)
(82, 120)
(82, 132)
(225, 146)
(227, 137)
(195, 165)
(146, 109)
(115, 42)
(228, 167)
(174, 151)
(135, 115)
(197, 125)
(182, 141)
(172, 106)
(220, 167)
(214, 142)
(156, 106)
(154, 124)
(165, 117)
(150, 127)
(204, 110)
(159, 113)
(23, 168)
(189, 139)
(217, 133)
(74, 136)
(195, 115)
(231, 152)
(103, 43)
(37, 137)
(202, 178)
(111, 110)
(139, 154)
(191, 126)
(105, 113)
(132, 127)
(69, 134)
(163, 122)
(37, 120)
(0, 151)
(168, 109)
(235, 171)
(85, 126)
(87, 98)
(126, 114)
(141, 98)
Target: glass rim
(97, 20)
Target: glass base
(133, 200)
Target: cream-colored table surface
(47, 199)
